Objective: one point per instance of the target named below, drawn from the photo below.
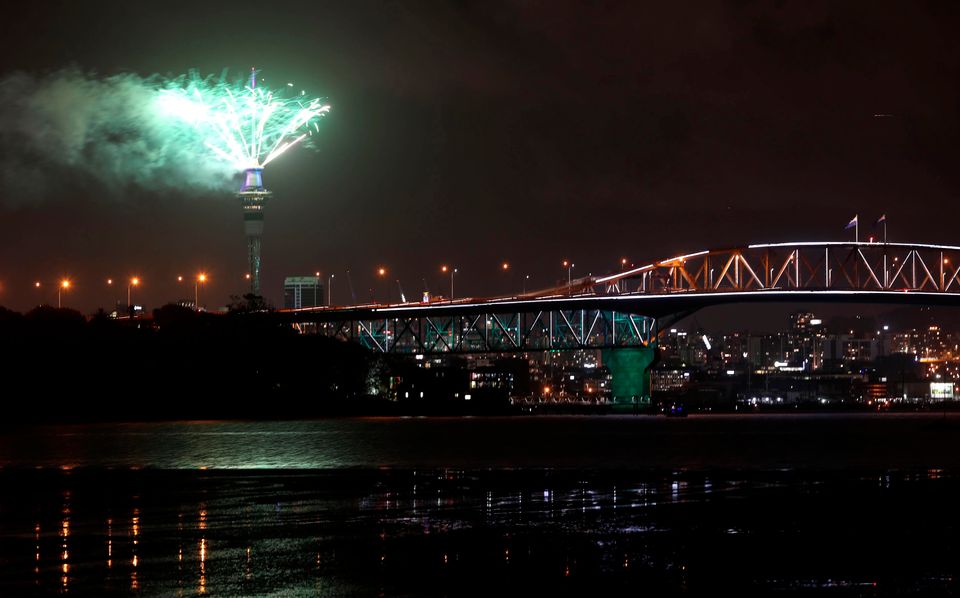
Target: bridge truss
(630, 308)
(494, 331)
(808, 266)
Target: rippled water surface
(440, 507)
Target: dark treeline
(57, 364)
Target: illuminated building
(302, 291)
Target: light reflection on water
(762, 442)
(372, 531)
(435, 506)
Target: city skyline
(505, 297)
(466, 158)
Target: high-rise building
(805, 341)
(302, 291)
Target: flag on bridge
(882, 220)
(855, 225)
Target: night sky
(530, 132)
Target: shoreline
(855, 441)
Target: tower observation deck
(253, 197)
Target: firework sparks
(245, 125)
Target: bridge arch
(627, 310)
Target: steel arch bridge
(629, 308)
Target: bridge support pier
(630, 368)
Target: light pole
(382, 273)
(569, 266)
(452, 271)
(330, 289)
(525, 279)
(63, 286)
(201, 278)
(505, 266)
(135, 281)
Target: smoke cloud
(70, 128)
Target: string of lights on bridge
(67, 284)
(800, 266)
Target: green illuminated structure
(630, 369)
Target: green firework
(244, 124)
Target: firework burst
(243, 124)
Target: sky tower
(247, 127)
(253, 197)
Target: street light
(569, 266)
(201, 278)
(64, 285)
(382, 273)
(135, 281)
(525, 279)
(110, 284)
(330, 289)
(452, 271)
(505, 268)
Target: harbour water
(857, 505)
